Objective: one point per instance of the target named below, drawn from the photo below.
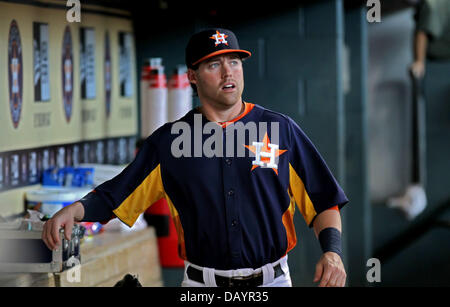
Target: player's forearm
(95, 208)
(328, 218)
(327, 227)
(78, 211)
(420, 46)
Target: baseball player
(431, 37)
(233, 212)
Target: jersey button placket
(230, 173)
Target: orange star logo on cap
(220, 38)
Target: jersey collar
(248, 107)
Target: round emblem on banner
(67, 73)
(15, 76)
(108, 75)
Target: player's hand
(418, 69)
(63, 218)
(330, 271)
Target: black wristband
(330, 240)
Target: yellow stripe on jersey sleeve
(301, 197)
(148, 192)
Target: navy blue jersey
(230, 210)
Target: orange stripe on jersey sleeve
(288, 222)
(179, 229)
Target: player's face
(220, 80)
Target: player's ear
(192, 76)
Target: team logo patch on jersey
(265, 154)
(220, 38)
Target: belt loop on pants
(209, 277)
(268, 274)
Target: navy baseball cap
(211, 42)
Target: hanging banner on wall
(87, 63)
(125, 49)
(33, 167)
(15, 76)
(44, 120)
(1, 173)
(108, 81)
(40, 62)
(14, 168)
(67, 73)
